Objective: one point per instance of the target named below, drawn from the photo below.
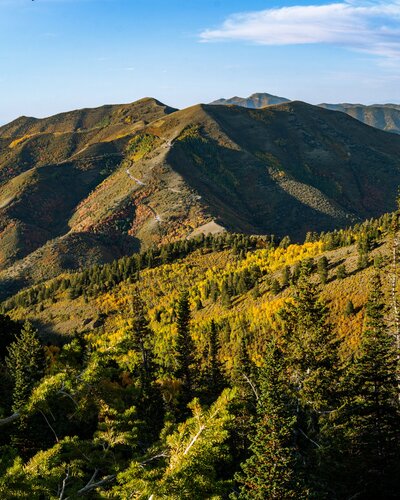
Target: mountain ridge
(82, 197)
(383, 116)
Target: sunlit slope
(91, 194)
(240, 290)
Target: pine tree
(285, 242)
(185, 351)
(226, 295)
(322, 267)
(286, 276)
(275, 287)
(370, 419)
(341, 272)
(349, 310)
(312, 347)
(149, 404)
(313, 372)
(273, 470)
(215, 376)
(26, 363)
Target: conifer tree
(322, 267)
(273, 469)
(286, 276)
(311, 352)
(215, 376)
(370, 419)
(349, 310)
(341, 272)
(275, 287)
(185, 351)
(26, 363)
(311, 344)
(149, 404)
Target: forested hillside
(227, 366)
(89, 186)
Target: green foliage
(186, 462)
(365, 429)
(341, 272)
(185, 352)
(273, 469)
(138, 406)
(322, 267)
(26, 363)
(349, 310)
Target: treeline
(100, 278)
(304, 423)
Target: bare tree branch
(253, 387)
(92, 485)
(64, 484)
(11, 418)
(48, 423)
(311, 440)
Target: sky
(58, 55)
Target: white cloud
(368, 26)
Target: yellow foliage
(15, 143)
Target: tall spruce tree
(322, 267)
(26, 365)
(273, 470)
(313, 372)
(369, 422)
(215, 381)
(149, 404)
(185, 352)
(312, 348)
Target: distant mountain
(383, 116)
(255, 101)
(88, 186)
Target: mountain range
(383, 116)
(92, 185)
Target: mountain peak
(256, 100)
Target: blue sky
(57, 55)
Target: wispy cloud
(372, 27)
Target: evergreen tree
(275, 287)
(311, 344)
(341, 272)
(149, 404)
(370, 419)
(26, 363)
(226, 295)
(285, 242)
(349, 310)
(286, 276)
(185, 352)
(313, 372)
(273, 470)
(215, 375)
(322, 267)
